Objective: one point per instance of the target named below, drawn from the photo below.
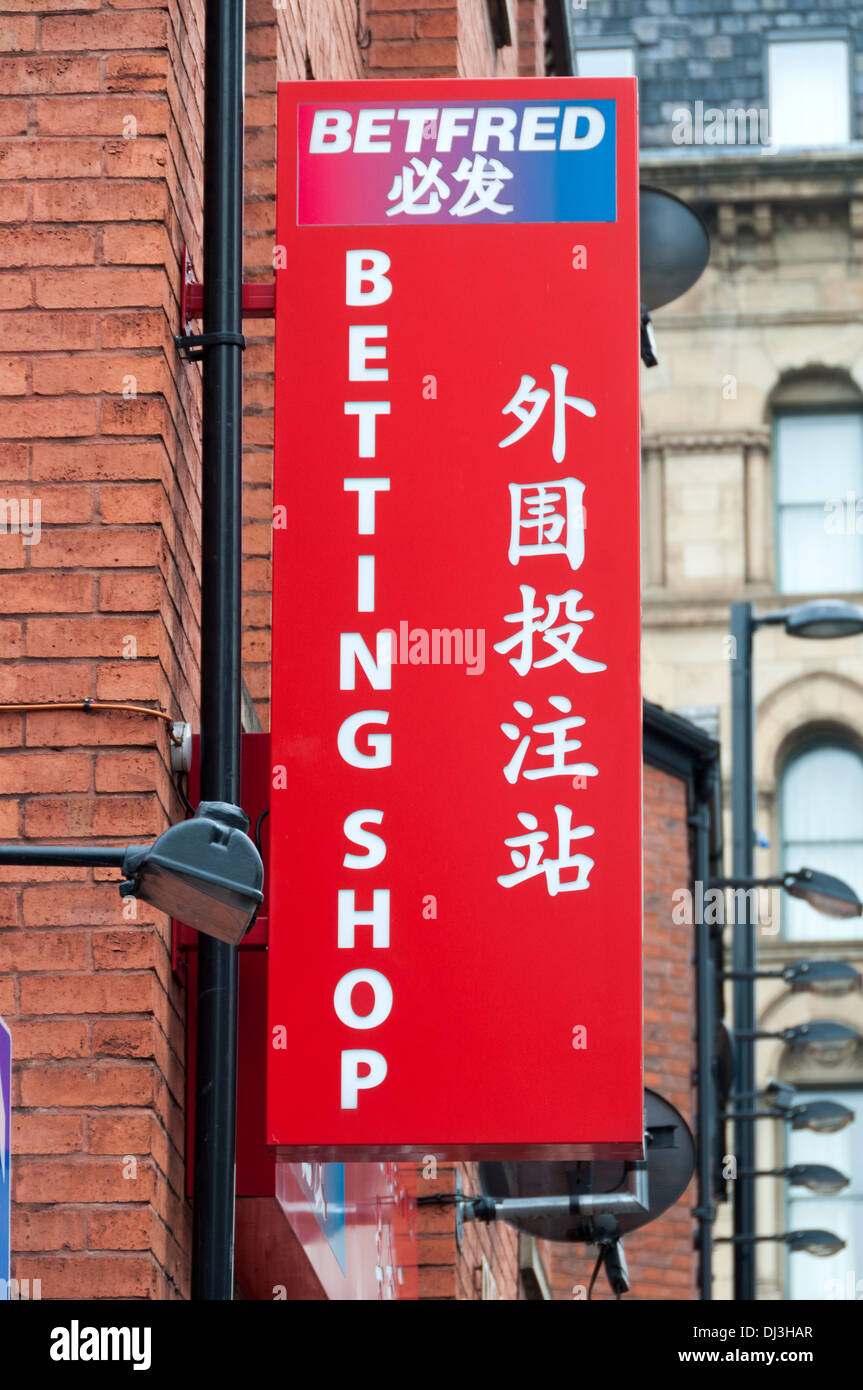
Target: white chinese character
(528, 866)
(561, 639)
(529, 393)
(411, 193)
(484, 180)
(556, 751)
(539, 501)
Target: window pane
(821, 811)
(813, 560)
(824, 791)
(809, 93)
(605, 62)
(819, 460)
(819, 456)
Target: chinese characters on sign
(419, 189)
(456, 864)
(552, 514)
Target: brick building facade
(101, 163)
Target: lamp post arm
(747, 1116)
(65, 856)
(743, 1239)
(775, 881)
(752, 974)
(775, 619)
(743, 625)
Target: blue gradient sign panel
(456, 163)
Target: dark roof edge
(675, 745)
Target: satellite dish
(674, 246)
(670, 1165)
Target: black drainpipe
(707, 829)
(216, 1078)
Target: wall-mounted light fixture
(817, 1177)
(829, 978)
(823, 1243)
(824, 1041)
(204, 871)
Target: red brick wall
(100, 112)
(661, 1260)
(531, 37)
(447, 1272)
(100, 161)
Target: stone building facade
(753, 114)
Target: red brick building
(101, 168)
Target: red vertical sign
(456, 808)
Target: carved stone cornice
(720, 175)
(709, 442)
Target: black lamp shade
(206, 872)
(828, 1042)
(829, 978)
(826, 894)
(818, 1177)
(825, 618)
(821, 1243)
(822, 1116)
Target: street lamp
(204, 871)
(822, 1040)
(828, 895)
(822, 1243)
(820, 1116)
(828, 978)
(825, 893)
(817, 1177)
(823, 618)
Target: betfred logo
(524, 126)
(458, 163)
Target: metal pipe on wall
(705, 1024)
(221, 551)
